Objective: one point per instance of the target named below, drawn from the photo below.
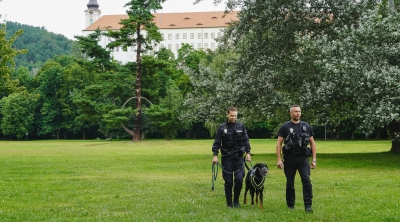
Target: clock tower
(92, 13)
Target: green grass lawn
(157, 180)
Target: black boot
(236, 194)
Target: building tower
(92, 13)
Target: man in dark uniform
(297, 135)
(233, 141)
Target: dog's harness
(253, 182)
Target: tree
(130, 34)
(362, 65)
(100, 58)
(268, 75)
(18, 114)
(7, 55)
(49, 79)
(213, 91)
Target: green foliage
(89, 47)
(165, 115)
(17, 112)
(41, 44)
(140, 18)
(24, 77)
(358, 71)
(7, 55)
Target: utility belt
(237, 151)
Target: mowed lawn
(158, 180)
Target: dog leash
(214, 172)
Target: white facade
(198, 38)
(198, 29)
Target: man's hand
(313, 165)
(248, 157)
(215, 159)
(279, 164)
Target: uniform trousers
(233, 171)
(301, 164)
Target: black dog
(255, 179)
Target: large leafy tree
(268, 76)
(49, 81)
(140, 20)
(360, 67)
(17, 112)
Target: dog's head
(261, 169)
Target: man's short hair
(231, 109)
(292, 106)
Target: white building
(199, 29)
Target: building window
(162, 46)
(206, 45)
(191, 35)
(176, 46)
(184, 36)
(169, 36)
(192, 44)
(109, 38)
(199, 35)
(170, 46)
(206, 35)
(213, 35)
(212, 46)
(132, 48)
(199, 46)
(162, 36)
(117, 49)
(177, 36)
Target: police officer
(233, 141)
(297, 135)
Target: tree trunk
(394, 129)
(84, 134)
(337, 133)
(130, 132)
(187, 134)
(378, 133)
(136, 136)
(58, 134)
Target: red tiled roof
(171, 20)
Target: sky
(67, 17)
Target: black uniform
(295, 155)
(233, 141)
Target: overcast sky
(67, 17)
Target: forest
(41, 44)
(339, 60)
